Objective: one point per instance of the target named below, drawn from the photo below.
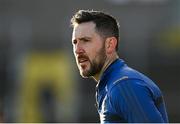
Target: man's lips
(82, 59)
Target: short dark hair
(106, 24)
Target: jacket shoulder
(123, 74)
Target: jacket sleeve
(134, 102)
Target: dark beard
(97, 64)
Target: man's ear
(110, 44)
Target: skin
(92, 52)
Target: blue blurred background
(39, 80)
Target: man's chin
(85, 74)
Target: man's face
(88, 48)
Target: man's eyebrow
(85, 38)
(82, 38)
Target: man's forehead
(85, 26)
(84, 29)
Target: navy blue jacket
(125, 95)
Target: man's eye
(86, 40)
(74, 41)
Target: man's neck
(106, 65)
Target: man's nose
(78, 48)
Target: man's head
(95, 37)
(106, 25)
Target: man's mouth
(82, 59)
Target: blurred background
(39, 80)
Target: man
(123, 94)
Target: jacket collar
(116, 64)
